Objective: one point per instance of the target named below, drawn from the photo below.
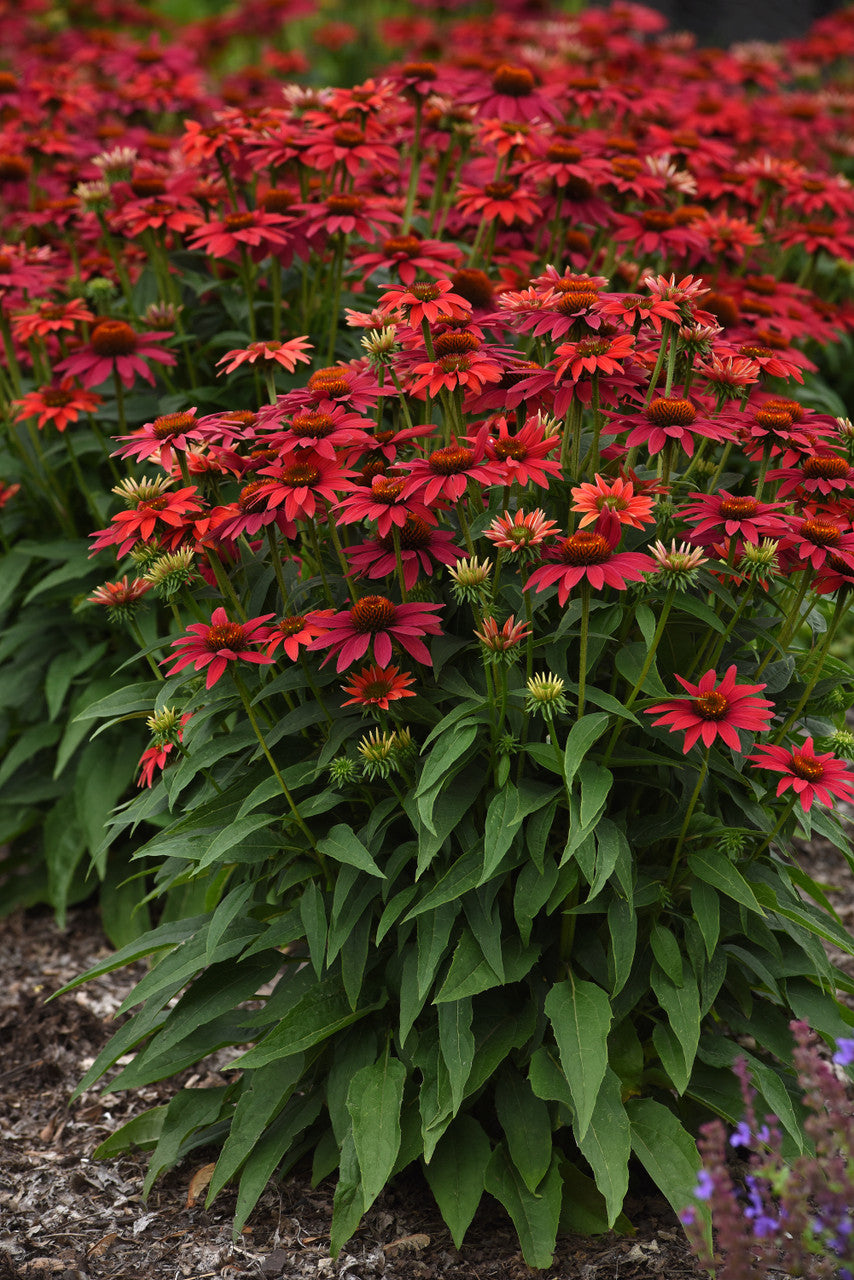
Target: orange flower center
(420, 70)
(113, 338)
(738, 508)
(671, 413)
(225, 635)
(711, 706)
(499, 190)
(657, 220)
(404, 246)
(754, 352)
(290, 626)
(455, 364)
(563, 153)
(55, 399)
(829, 468)
(821, 532)
(414, 536)
(171, 424)
(278, 200)
(448, 344)
(515, 82)
(593, 347)
(452, 459)
(372, 613)
(585, 547)
(626, 166)
(576, 300)
(238, 221)
(299, 475)
(348, 135)
(385, 490)
(425, 292)
(773, 420)
(142, 187)
(510, 447)
(313, 424)
(249, 496)
(241, 418)
(806, 766)
(794, 410)
(345, 204)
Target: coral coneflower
(715, 710)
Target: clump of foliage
(784, 1215)
(477, 532)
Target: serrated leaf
(580, 1015)
(456, 1174)
(535, 1217)
(374, 1100)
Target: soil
(65, 1216)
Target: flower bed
(483, 530)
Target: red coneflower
(421, 545)
(591, 556)
(115, 347)
(376, 686)
(287, 354)
(607, 505)
(715, 710)
(296, 631)
(57, 404)
(216, 645)
(809, 775)
(426, 300)
(726, 514)
(376, 621)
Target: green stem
(637, 688)
(839, 612)
(582, 656)
(688, 816)
(253, 720)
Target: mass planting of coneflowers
(429, 530)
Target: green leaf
(706, 906)
(525, 1120)
(257, 1107)
(580, 1014)
(434, 930)
(685, 603)
(313, 915)
(682, 1006)
(667, 1152)
(717, 870)
(623, 928)
(584, 1211)
(596, 784)
(666, 950)
(535, 1216)
(456, 1174)
(268, 1152)
(580, 739)
(189, 1110)
(457, 1045)
(548, 1080)
(374, 1100)
(344, 845)
(349, 1203)
(323, 1010)
(142, 1131)
(606, 1146)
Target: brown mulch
(64, 1216)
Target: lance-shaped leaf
(374, 1100)
(580, 1014)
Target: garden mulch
(64, 1216)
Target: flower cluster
(463, 441)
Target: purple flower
(844, 1056)
(764, 1224)
(705, 1185)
